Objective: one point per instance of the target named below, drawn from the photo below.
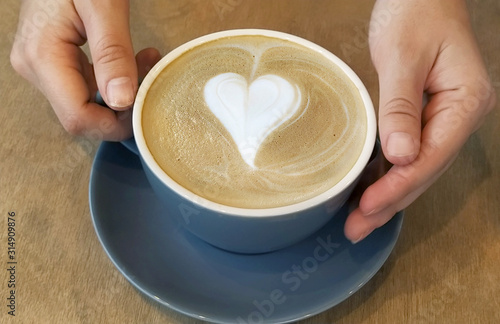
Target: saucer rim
(188, 310)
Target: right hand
(426, 47)
(47, 53)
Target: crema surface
(254, 122)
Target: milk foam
(311, 117)
(252, 112)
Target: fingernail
(120, 92)
(400, 144)
(361, 237)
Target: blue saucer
(178, 270)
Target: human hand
(420, 47)
(47, 53)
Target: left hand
(47, 52)
(427, 47)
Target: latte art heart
(250, 113)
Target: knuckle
(26, 56)
(429, 146)
(22, 57)
(108, 51)
(17, 60)
(73, 124)
(493, 101)
(479, 97)
(401, 107)
(490, 99)
(399, 182)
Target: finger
(404, 184)
(146, 59)
(108, 32)
(360, 223)
(62, 80)
(357, 227)
(402, 83)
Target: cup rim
(202, 202)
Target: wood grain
(444, 269)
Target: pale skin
(427, 47)
(420, 47)
(47, 53)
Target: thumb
(107, 27)
(400, 109)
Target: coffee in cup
(254, 121)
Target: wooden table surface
(445, 267)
